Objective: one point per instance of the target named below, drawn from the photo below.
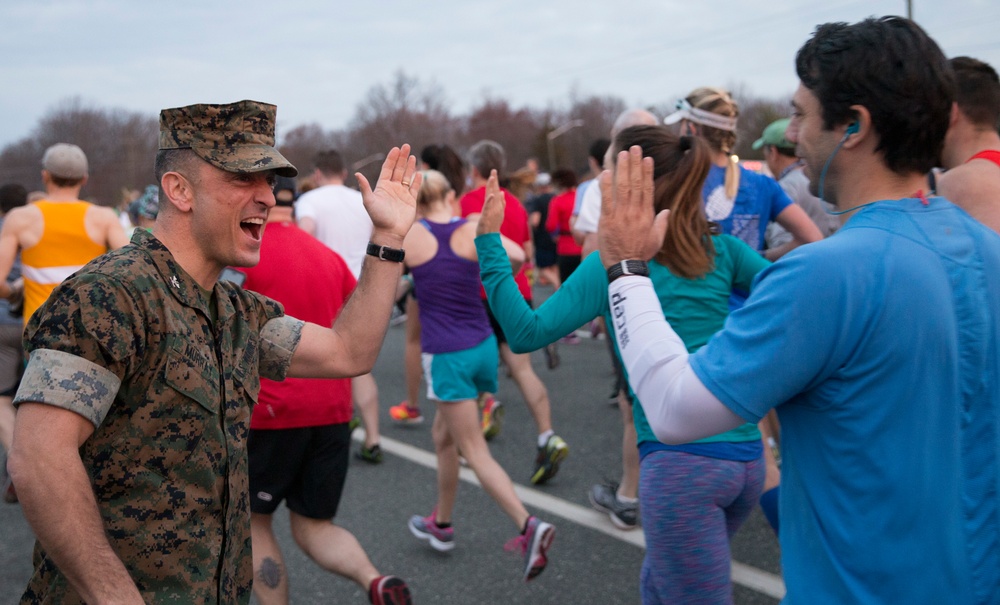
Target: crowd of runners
(820, 339)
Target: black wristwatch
(395, 255)
(628, 267)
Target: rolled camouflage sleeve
(279, 339)
(81, 343)
(69, 382)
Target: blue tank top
(452, 316)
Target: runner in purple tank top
(459, 354)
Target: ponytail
(688, 250)
(680, 165)
(732, 180)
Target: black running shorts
(306, 467)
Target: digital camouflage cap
(235, 137)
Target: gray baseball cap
(66, 161)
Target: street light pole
(357, 166)
(557, 133)
(375, 157)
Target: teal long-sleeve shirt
(695, 308)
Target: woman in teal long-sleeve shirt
(693, 496)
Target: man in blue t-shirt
(879, 346)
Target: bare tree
(21, 162)
(521, 132)
(301, 144)
(756, 113)
(596, 114)
(404, 111)
(119, 144)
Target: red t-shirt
(312, 282)
(557, 223)
(514, 227)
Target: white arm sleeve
(677, 405)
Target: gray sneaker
(442, 539)
(604, 497)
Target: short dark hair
(785, 151)
(598, 149)
(897, 72)
(329, 162)
(184, 161)
(977, 91)
(63, 182)
(487, 155)
(12, 195)
(564, 178)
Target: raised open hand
(493, 209)
(628, 228)
(392, 206)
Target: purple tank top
(452, 317)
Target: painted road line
(742, 574)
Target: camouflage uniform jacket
(129, 343)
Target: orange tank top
(63, 249)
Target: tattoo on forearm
(270, 573)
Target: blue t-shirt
(759, 200)
(879, 349)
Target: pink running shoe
(534, 543)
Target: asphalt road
(590, 562)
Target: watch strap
(395, 255)
(628, 267)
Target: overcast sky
(316, 60)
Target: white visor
(700, 116)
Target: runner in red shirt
(299, 444)
(485, 156)
(560, 213)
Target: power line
(690, 43)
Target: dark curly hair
(897, 72)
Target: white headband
(700, 116)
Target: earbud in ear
(852, 128)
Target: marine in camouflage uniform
(170, 392)
(167, 372)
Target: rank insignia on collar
(174, 281)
